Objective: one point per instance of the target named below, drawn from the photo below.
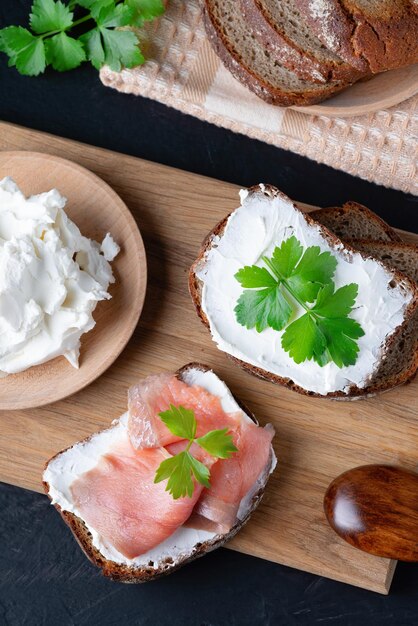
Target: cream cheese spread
(66, 467)
(51, 279)
(254, 230)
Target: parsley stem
(63, 30)
(282, 281)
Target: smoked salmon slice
(154, 395)
(231, 479)
(119, 499)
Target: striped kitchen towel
(182, 71)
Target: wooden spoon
(375, 509)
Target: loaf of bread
(280, 28)
(300, 52)
(373, 36)
(247, 60)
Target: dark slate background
(44, 578)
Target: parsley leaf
(121, 49)
(254, 276)
(26, 52)
(304, 340)
(262, 309)
(200, 471)
(338, 303)
(180, 421)
(295, 276)
(305, 273)
(107, 40)
(286, 257)
(115, 48)
(111, 15)
(180, 469)
(94, 6)
(144, 10)
(48, 15)
(218, 443)
(64, 53)
(341, 334)
(93, 46)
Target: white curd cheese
(66, 467)
(254, 230)
(51, 279)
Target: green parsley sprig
(180, 469)
(295, 278)
(106, 39)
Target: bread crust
(288, 52)
(354, 392)
(384, 39)
(389, 232)
(255, 83)
(334, 28)
(129, 574)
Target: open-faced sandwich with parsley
(174, 477)
(291, 303)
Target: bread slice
(368, 34)
(383, 243)
(397, 254)
(57, 467)
(376, 384)
(401, 363)
(279, 27)
(355, 221)
(252, 64)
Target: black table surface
(44, 577)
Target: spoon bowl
(375, 509)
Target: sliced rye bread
(252, 65)
(388, 374)
(128, 574)
(398, 254)
(355, 221)
(367, 232)
(279, 27)
(401, 364)
(368, 34)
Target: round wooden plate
(96, 209)
(380, 92)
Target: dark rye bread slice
(252, 64)
(398, 254)
(279, 27)
(386, 377)
(401, 363)
(355, 221)
(128, 574)
(369, 34)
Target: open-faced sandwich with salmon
(174, 477)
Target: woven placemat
(182, 71)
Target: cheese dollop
(51, 279)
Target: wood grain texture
(316, 439)
(375, 509)
(97, 210)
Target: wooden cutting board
(316, 439)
